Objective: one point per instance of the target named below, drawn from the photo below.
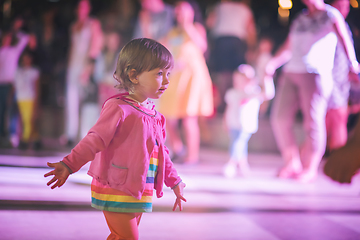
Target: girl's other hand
(179, 192)
(60, 172)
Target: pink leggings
(123, 225)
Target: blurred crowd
(57, 66)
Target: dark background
(265, 13)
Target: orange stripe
(148, 192)
(111, 191)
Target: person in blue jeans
(242, 114)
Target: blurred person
(242, 114)
(101, 85)
(262, 57)
(126, 146)
(155, 19)
(105, 67)
(27, 98)
(189, 95)
(50, 55)
(337, 113)
(13, 42)
(85, 46)
(306, 83)
(125, 18)
(353, 107)
(232, 27)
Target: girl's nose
(166, 80)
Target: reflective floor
(257, 207)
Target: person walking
(126, 145)
(307, 83)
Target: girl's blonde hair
(141, 54)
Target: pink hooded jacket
(119, 146)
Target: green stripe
(120, 205)
(112, 209)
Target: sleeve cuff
(176, 185)
(70, 171)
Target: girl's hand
(178, 190)
(61, 173)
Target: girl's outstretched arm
(61, 172)
(179, 192)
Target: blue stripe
(112, 204)
(153, 167)
(149, 179)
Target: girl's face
(184, 13)
(26, 60)
(240, 81)
(112, 41)
(6, 40)
(151, 84)
(265, 45)
(83, 9)
(152, 5)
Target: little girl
(27, 94)
(126, 145)
(242, 113)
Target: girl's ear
(133, 76)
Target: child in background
(126, 145)
(241, 115)
(27, 92)
(12, 43)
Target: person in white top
(13, 42)
(306, 83)
(242, 113)
(27, 94)
(86, 46)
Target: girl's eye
(160, 73)
(168, 74)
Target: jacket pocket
(118, 174)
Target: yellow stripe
(154, 161)
(119, 198)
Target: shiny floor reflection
(258, 207)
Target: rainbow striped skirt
(106, 198)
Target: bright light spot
(354, 3)
(286, 4)
(283, 13)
